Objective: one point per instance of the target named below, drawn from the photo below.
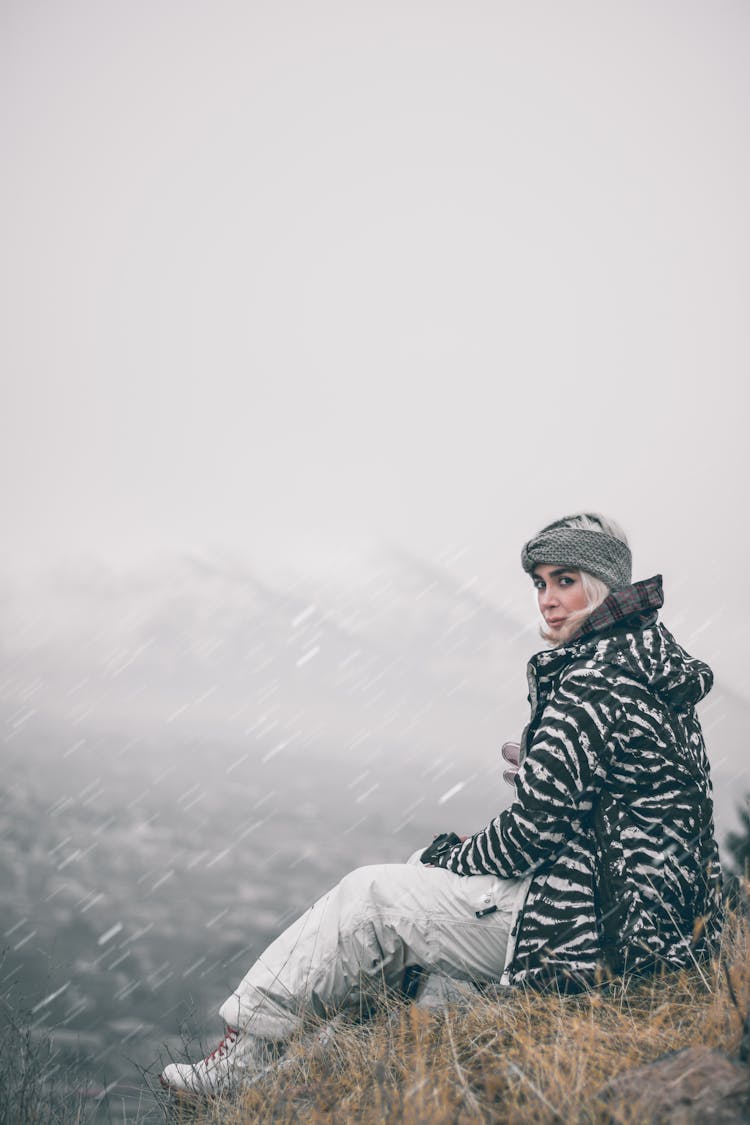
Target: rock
(690, 1087)
(437, 993)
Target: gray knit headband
(594, 551)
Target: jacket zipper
(510, 951)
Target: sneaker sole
(194, 1097)
(189, 1097)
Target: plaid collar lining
(639, 601)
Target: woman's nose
(547, 597)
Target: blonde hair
(594, 588)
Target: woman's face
(560, 593)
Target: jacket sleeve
(555, 786)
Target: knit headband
(594, 551)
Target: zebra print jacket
(612, 815)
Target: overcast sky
(288, 280)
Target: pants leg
(374, 924)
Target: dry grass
(524, 1058)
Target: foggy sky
(285, 281)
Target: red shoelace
(230, 1035)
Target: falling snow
(182, 791)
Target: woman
(605, 862)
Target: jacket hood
(624, 632)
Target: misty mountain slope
(197, 649)
(725, 718)
(202, 661)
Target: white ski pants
(374, 924)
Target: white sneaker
(238, 1060)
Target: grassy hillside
(522, 1058)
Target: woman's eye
(565, 581)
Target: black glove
(439, 846)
